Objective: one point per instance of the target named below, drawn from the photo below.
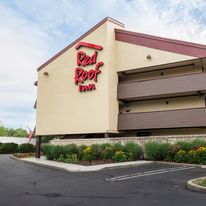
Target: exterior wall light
(149, 57)
(46, 74)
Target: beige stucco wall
(130, 56)
(161, 104)
(61, 108)
(164, 73)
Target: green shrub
(71, 158)
(172, 150)
(164, 147)
(26, 148)
(97, 151)
(197, 156)
(103, 146)
(156, 151)
(107, 153)
(57, 150)
(186, 146)
(47, 150)
(133, 151)
(71, 149)
(119, 156)
(117, 147)
(81, 148)
(189, 145)
(192, 157)
(88, 154)
(8, 148)
(198, 143)
(181, 156)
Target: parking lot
(151, 184)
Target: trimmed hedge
(26, 148)
(10, 148)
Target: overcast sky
(31, 31)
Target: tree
(20, 133)
(11, 132)
(3, 131)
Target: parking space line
(148, 173)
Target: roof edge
(80, 38)
(161, 43)
(158, 38)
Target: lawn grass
(201, 182)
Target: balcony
(163, 88)
(184, 118)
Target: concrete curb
(181, 164)
(78, 168)
(194, 187)
(39, 164)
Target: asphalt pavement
(143, 185)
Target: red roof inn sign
(83, 60)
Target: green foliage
(107, 152)
(117, 147)
(119, 156)
(48, 151)
(189, 145)
(181, 156)
(3, 131)
(71, 158)
(81, 148)
(71, 149)
(186, 146)
(26, 148)
(97, 151)
(72, 153)
(8, 148)
(133, 151)
(198, 143)
(20, 133)
(57, 151)
(12, 132)
(172, 150)
(156, 151)
(197, 156)
(88, 154)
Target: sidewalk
(78, 168)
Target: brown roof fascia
(165, 44)
(80, 38)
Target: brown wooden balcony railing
(165, 87)
(183, 118)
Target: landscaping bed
(192, 152)
(94, 154)
(23, 155)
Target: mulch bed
(23, 155)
